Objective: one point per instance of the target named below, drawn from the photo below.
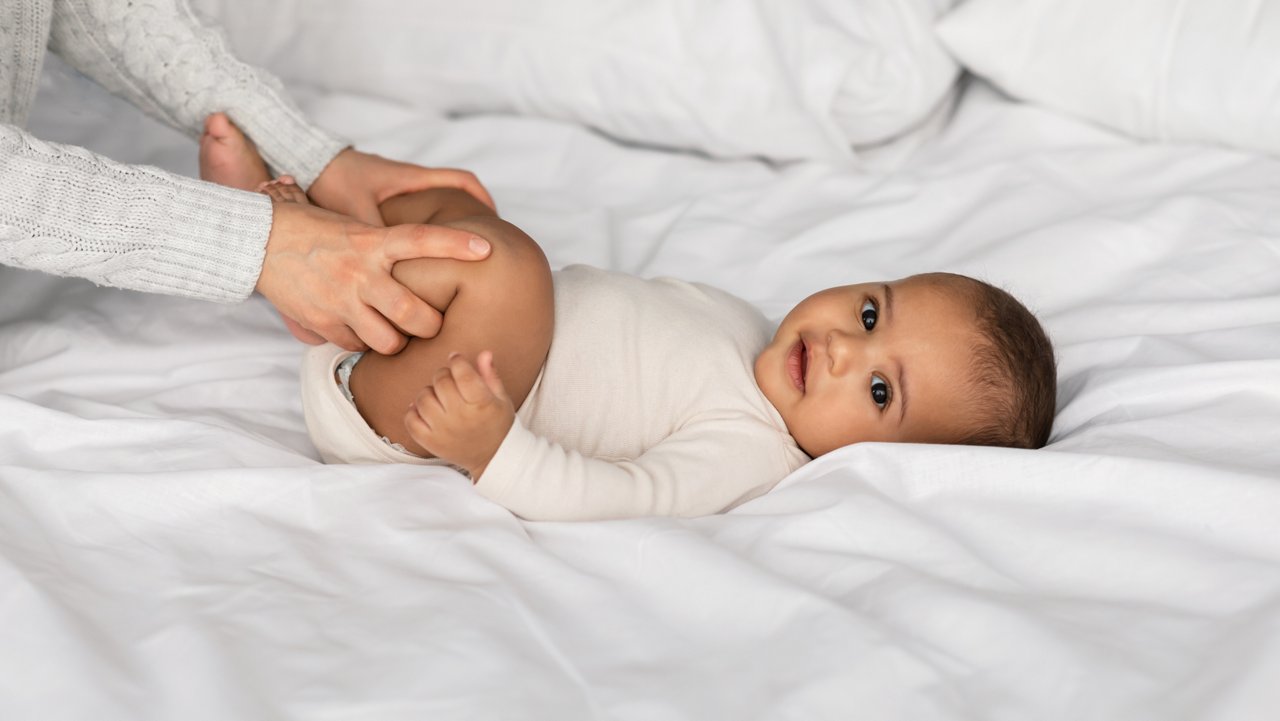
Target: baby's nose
(843, 349)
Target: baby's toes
(284, 192)
(271, 189)
(294, 193)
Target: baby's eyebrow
(902, 372)
(902, 392)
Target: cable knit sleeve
(67, 211)
(159, 56)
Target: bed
(172, 548)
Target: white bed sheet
(170, 547)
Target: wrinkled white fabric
(783, 79)
(171, 548)
(1187, 70)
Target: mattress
(172, 548)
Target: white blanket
(170, 547)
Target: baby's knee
(516, 267)
(516, 271)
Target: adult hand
(356, 183)
(331, 275)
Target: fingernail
(479, 246)
(454, 354)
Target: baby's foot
(284, 190)
(229, 158)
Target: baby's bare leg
(503, 304)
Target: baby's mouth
(798, 364)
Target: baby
(587, 394)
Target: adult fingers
(403, 242)
(303, 334)
(409, 313)
(461, 179)
(376, 331)
(489, 374)
(397, 178)
(365, 210)
(343, 337)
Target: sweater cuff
(218, 241)
(285, 139)
(69, 212)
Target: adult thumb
(366, 212)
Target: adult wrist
(330, 177)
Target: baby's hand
(464, 414)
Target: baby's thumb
(484, 364)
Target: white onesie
(647, 405)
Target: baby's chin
(817, 447)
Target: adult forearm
(159, 56)
(67, 211)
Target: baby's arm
(705, 467)
(503, 305)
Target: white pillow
(783, 79)
(1198, 70)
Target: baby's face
(872, 362)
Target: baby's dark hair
(1014, 373)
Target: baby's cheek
(819, 433)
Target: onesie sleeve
(704, 468)
(67, 211)
(157, 55)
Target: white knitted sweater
(67, 211)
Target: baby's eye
(879, 391)
(869, 314)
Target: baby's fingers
(418, 428)
(470, 385)
(425, 406)
(489, 375)
(446, 389)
